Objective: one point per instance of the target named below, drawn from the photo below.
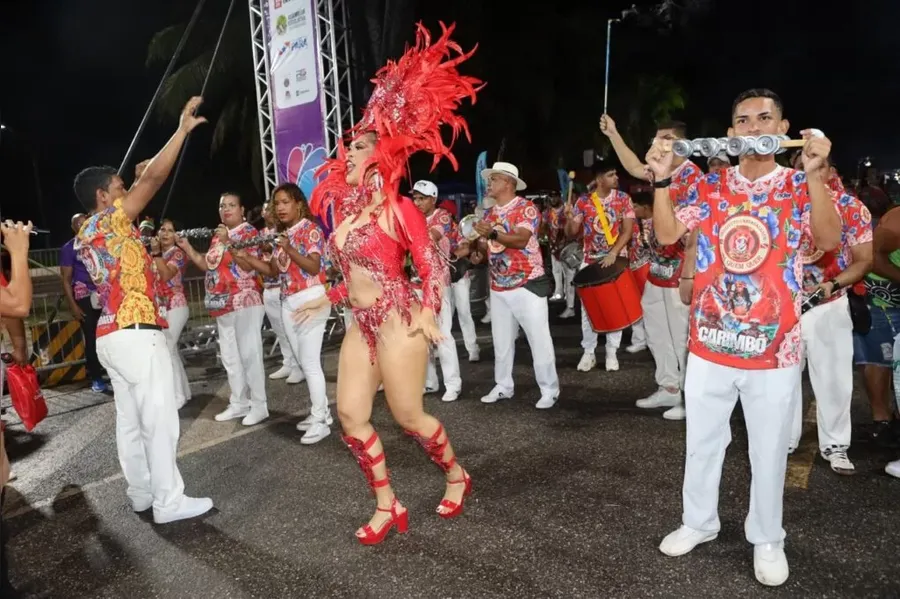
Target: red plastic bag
(25, 393)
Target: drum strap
(601, 214)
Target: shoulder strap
(604, 222)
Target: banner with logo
(480, 190)
(295, 88)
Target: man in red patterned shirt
(130, 341)
(443, 234)
(745, 331)
(665, 315)
(606, 218)
(554, 223)
(519, 287)
(827, 329)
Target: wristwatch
(835, 285)
(494, 235)
(663, 183)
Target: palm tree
(230, 92)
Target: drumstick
(571, 187)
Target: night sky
(74, 85)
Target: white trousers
(520, 307)
(562, 279)
(462, 304)
(305, 345)
(140, 368)
(767, 398)
(272, 303)
(241, 349)
(638, 333)
(177, 318)
(666, 320)
(589, 337)
(445, 350)
(827, 334)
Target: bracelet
(662, 184)
(835, 285)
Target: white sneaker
(496, 395)
(450, 395)
(141, 505)
(612, 362)
(587, 362)
(475, 355)
(305, 424)
(297, 376)
(661, 398)
(317, 431)
(546, 402)
(189, 507)
(676, 413)
(840, 463)
(380, 387)
(281, 373)
(684, 540)
(486, 319)
(893, 468)
(770, 564)
(232, 413)
(636, 347)
(567, 313)
(255, 416)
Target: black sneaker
(884, 434)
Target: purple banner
(295, 88)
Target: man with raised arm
(130, 341)
(665, 315)
(745, 312)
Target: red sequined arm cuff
(431, 266)
(337, 294)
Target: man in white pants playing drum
(606, 217)
(745, 319)
(665, 315)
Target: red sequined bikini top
(371, 248)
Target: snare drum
(572, 255)
(609, 296)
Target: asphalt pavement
(568, 502)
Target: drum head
(594, 274)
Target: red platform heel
(367, 464)
(436, 450)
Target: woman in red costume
(374, 228)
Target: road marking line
(185, 452)
(800, 462)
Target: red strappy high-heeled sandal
(436, 452)
(367, 464)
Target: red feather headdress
(412, 99)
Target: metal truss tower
(333, 38)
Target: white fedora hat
(505, 168)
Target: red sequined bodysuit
(370, 248)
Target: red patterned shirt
(228, 286)
(856, 228)
(266, 254)
(110, 248)
(745, 312)
(617, 207)
(174, 287)
(441, 221)
(307, 238)
(511, 268)
(667, 262)
(639, 247)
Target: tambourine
(467, 227)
